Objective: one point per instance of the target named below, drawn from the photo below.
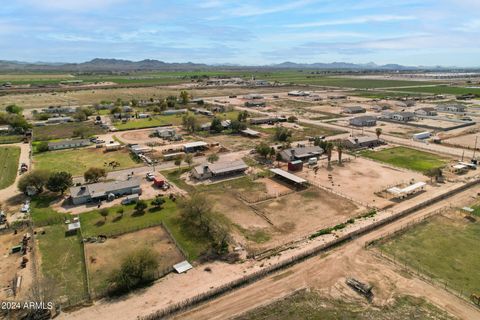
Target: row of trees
(40, 179)
(14, 117)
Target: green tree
(216, 125)
(378, 132)
(328, 149)
(212, 158)
(13, 108)
(104, 213)
(189, 122)
(237, 126)
(263, 149)
(184, 97)
(188, 159)
(140, 206)
(81, 132)
(340, 148)
(282, 134)
(42, 146)
(158, 202)
(93, 175)
(36, 179)
(135, 269)
(59, 182)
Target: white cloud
(357, 20)
(253, 10)
(71, 5)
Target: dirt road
(12, 190)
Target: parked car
(150, 176)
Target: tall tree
(36, 179)
(184, 97)
(59, 182)
(263, 149)
(378, 132)
(93, 175)
(329, 148)
(340, 151)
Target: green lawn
(41, 212)
(77, 161)
(94, 224)
(407, 158)
(444, 249)
(311, 305)
(441, 90)
(11, 139)
(61, 261)
(9, 157)
(65, 131)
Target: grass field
(8, 165)
(441, 90)
(11, 139)
(41, 212)
(77, 161)
(407, 158)
(94, 224)
(61, 261)
(64, 131)
(444, 248)
(311, 305)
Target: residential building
(5, 128)
(427, 111)
(354, 109)
(55, 120)
(68, 144)
(362, 142)
(166, 133)
(195, 146)
(455, 108)
(401, 116)
(253, 96)
(299, 93)
(250, 133)
(219, 169)
(104, 190)
(174, 111)
(267, 120)
(255, 104)
(363, 121)
(301, 153)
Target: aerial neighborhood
(224, 180)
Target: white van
(312, 161)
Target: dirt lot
(360, 179)
(467, 141)
(104, 257)
(10, 266)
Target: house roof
(362, 139)
(103, 188)
(288, 175)
(427, 109)
(364, 118)
(67, 142)
(302, 152)
(251, 132)
(222, 167)
(182, 266)
(195, 144)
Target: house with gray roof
(354, 109)
(361, 142)
(104, 190)
(301, 153)
(363, 121)
(426, 111)
(219, 169)
(68, 144)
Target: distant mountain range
(118, 65)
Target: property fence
(255, 276)
(256, 198)
(179, 247)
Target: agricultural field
(9, 157)
(77, 161)
(65, 131)
(407, 158)
(62, 262)
(443, 248)
(6, 139)
(103, 258)
(311, 305)
(441, 90)
(117, 223)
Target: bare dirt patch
(10, 266)
(102, 258)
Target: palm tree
(378, 132)
(329, 149)
(340, 151)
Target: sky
(246, 32)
